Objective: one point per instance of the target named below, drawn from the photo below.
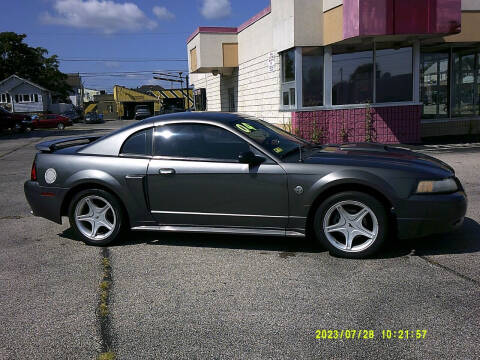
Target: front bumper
(423, 215)
(45, 201)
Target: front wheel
(351, 224)
(60, 126)
(96, 216)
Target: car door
(195, 179)
(53, 120)
(44, 121)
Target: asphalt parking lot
(229, 297)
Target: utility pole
(188, 91)
(172, 77)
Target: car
(169, 109)
(72, 115)
(142, 112)
(46, 121)
(9, 120)
(228, 173)
(93, 118)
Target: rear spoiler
(52, 145)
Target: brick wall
(389, 125)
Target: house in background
(77, 93)
(23, 96)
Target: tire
(92, 225)
(61, 126)
(351, 215)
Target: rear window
(139, 143)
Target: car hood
(376, 154)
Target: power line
(131, 72)
(121, 60)
(108, 35)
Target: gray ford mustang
(228, 173)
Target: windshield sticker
(245, 127)
(278, 150)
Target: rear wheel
(61, 126)
(96, 216)
(351, 224)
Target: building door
(232, 106)
(465, 82)
(435, 84)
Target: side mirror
(250, 158)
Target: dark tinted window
(139, 143)
(352, 77)
(198, 141)
(288, 65)
(394, 71)
(312, 65)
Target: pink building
(340, 71)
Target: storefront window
(352, 77)
(288, 65)
(434, 84)
(465, 83)
(288, 79)
(312, 73)
(394, 75)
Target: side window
(139, 143)
(198, 141)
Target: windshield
(270, 137)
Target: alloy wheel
(95, 217)
(350, 226)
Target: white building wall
(211, 84)
(259, 89)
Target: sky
(132, 38)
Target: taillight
(33, 174)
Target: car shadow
(462, 241)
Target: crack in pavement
(103, 313)
(450, 270)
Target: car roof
(222, 117)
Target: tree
(31, 63)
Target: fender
(351, 176)
(95, 176)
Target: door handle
(166, 172)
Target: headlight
(437, 186)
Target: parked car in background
(93, 118)
(142, 112)
(50, 121)
(73, 115)
(172, 108)
(9, 120)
